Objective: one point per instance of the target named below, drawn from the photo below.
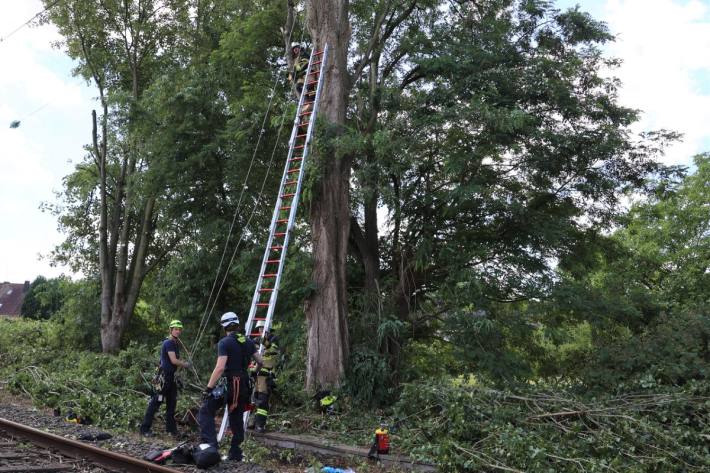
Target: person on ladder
(297, 76)
(169, 363)
(234, 351)
(265, 379)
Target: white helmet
(260, 323)
(229, 318)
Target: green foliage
(108, 389)
(45, 297)
(460, 428)
(76, 325)
(672, 350)
(368, 378)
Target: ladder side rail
(294, 204)
(279, 200)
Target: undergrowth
(641, 427)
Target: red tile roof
(11, 297)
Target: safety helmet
(260, 323)
(175, 324)
(229, 318)
(294, 46)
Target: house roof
(11, 297)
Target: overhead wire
(3, 38)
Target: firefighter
(166, 386)
(265, 377)
(297, 75)
(234, 351)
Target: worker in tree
(166, 387)
(234, 351)
(265, 377)
(297, 75)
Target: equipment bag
(157, 456)
(183, 455)
(205, 455)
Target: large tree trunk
(326, 309)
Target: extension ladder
(272, 265)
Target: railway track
(58, 454)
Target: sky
(664, 45)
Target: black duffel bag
(205, 455)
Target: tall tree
(328, 341)
(120, 47)
(490, 143)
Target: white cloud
(665, 46)
(37, 88)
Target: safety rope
(205, 318)
(209, 310)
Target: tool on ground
(380, 443)
(161, 456)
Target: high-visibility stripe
(262, 412)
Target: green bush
(672, 350)
(111, 390)
(368, 377)
(533, 429)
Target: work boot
(147, 433)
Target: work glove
(187, 365)
(207, 393)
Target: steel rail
(105, 458)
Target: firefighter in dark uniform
(167, 391)
(234, 351)
(265, 377)
(297, 76)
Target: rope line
(203, 321)
(3, 38)
(208, 311)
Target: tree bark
(326, 309)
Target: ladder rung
(293, 170)
(282, 220)
(277, 247)
(266, 289)
(255, 334)
(262, 304)
(301, 136)
(296, 159)
(270, 275)
(285, 208)
(311, 82)
(259, 319)
(299, 147)
(279, 233)
(272, 261)
(290, 183)
(288, 195)
(304, 124)
(305, 113)
(317, 62)
(318, 53)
